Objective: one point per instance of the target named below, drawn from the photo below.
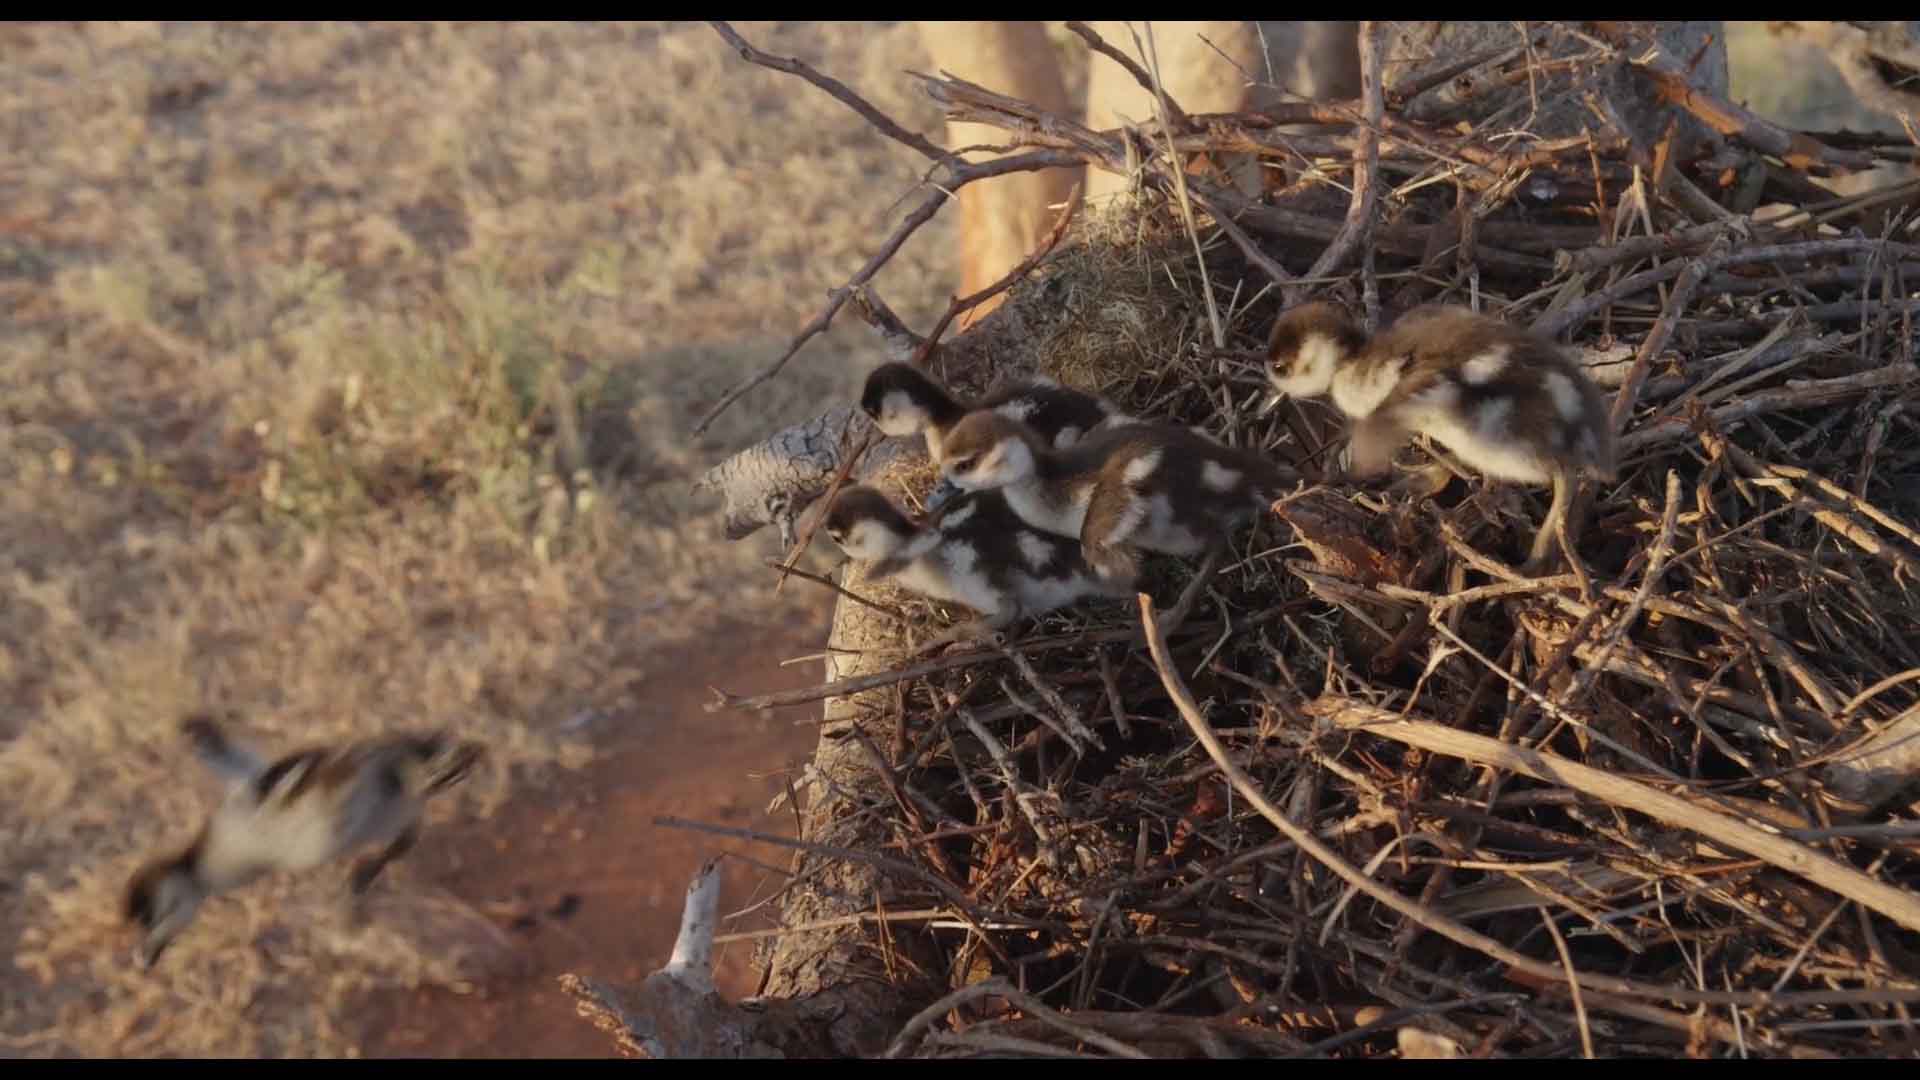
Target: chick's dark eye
(963, 464)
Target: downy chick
(1154, 487)
(1505, 401)
(296, 813)
(903, 400)
(973, 550)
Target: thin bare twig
(890, 612)
(1176, 116)
(1366, 161)
(1901, 906)
(794, 66)
(958, 176)
(961, 305)
(1361, 717)
(1573, 985)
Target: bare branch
(1354, 232)
(1177, 117)
(959, 176)
(795, 66)
(1797, 149)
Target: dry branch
(1797, 149)
(1900, 905)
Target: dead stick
(1440, 924)
(958, 177)
(1366, 161)
(1176, 116)
(794, 66)
(814, 521)
(1629, 394)
(1797, 394)
(1900, 905)
(1242, 241)
(1797, 149)
(891, 612)
(879, 862)
(959, 306)
(1555, 323)
(860, 683)
(1673, 1021)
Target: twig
(1657, 557)
(1666, 1018)
(891, 612)
(1077, 731)
(793, 66)
(1798, 150)
(1901, 906)
(1629, 394)
(925, 1018)
(1573, 985)
(959, 306)
(1574, 315)
(1797, 394)
(958, 176)
(879, 862)
(1366, 162)
(1241, 240)
(902, 342)
(1023, 795)
(814, 521)
(1371, 720)
(1183, 199)
(1176, 116)
(855, 684)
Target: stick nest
(1735, 652)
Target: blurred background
(346, 378)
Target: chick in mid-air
(295, 813)
(1503, 400)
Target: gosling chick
(903, 400)
(296, 813)
(973, 550)
(1154, 487)
(1504, 400)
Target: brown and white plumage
(1503, 400)
(1152, 487)
(295, 813)
(903, 400)
(973, 550)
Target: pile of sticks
(1386, 794)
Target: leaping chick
(1154, 487)
(297, 813)
(903, 400)
(973, 550)
(1505, 401)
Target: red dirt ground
(591, 836)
